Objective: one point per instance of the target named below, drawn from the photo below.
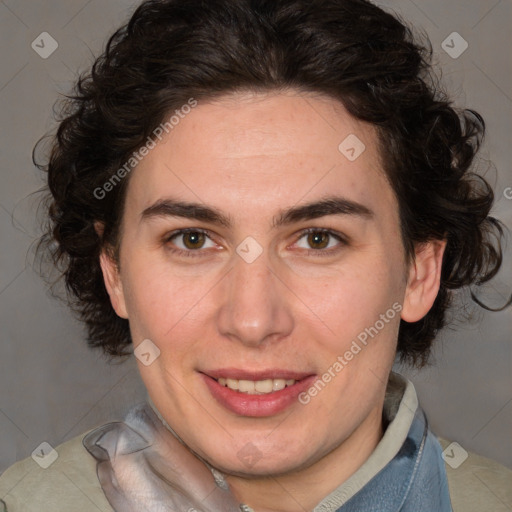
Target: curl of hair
(171, 51)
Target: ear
(111, 278)
(424, 280)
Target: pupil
(194, 239)
(318, 238)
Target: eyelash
(311, 252)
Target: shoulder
(69, 484)
(476, 483)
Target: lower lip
(257, 405)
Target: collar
(400, 406)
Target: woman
(270, 200)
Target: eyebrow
(333, 205)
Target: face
(256, 288)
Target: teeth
(259, 387)
(231, 383)
(246, 386)
(265, 386)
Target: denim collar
(405, 472)
(413, 481)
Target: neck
(304, 489)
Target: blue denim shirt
(413, 481)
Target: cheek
(351, 300)
(158, 301)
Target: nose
(255, 306)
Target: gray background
(53, 387)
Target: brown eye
(318, 239)
(193, 239)
(321, 242)
(189, 242)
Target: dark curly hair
(351, 50)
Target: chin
(251, 462)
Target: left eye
(318, 239)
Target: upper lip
(272, 373)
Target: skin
(251, 156)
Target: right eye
(188, 241)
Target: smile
(256, 394)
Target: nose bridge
(254, 306)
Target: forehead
(263, 150)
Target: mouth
(258, 387)
(256, 394)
